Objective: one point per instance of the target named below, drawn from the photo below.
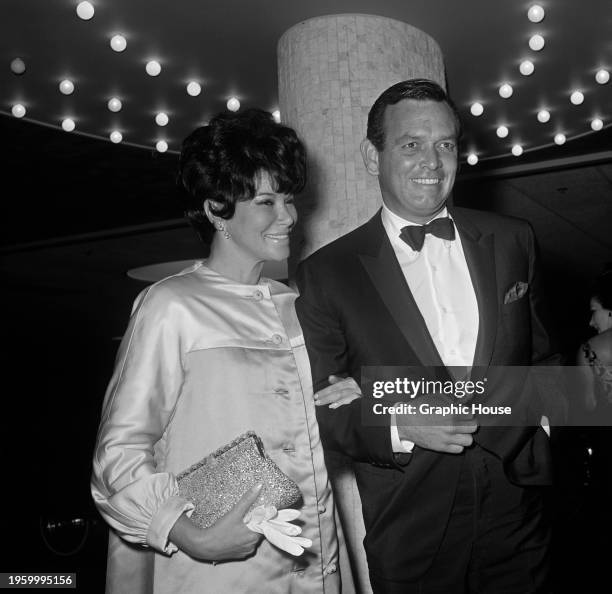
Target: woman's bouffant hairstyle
(418, 89)
(602, 288)
(223, 161)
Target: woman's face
(601, 318)
(260, 227)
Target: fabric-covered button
(258, 295)
(277, 339)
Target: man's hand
(449, 433)
(340, 391)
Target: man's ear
(369, 153)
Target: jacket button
(258, 295)
(277, 339)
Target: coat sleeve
(137, 500)
(341, 429)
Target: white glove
(276, 527)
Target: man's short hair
(418, 89)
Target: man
(455, 507)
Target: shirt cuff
(399, 446)
(167, 515)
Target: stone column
(331, 69)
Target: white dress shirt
(440, 282)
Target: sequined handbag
(217, 482)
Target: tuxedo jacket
(356, 310)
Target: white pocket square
(516, 291)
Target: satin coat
(205, 359)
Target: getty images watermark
(505, 396)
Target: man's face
(417, 166)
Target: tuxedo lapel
(479, 250)
(386, 275)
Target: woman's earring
(221, 227)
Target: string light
(18, 66)
(153, 68)
(517, 150)
(194, 88)
(116, 137)
(536, 42)
(476, 109)
(66, 87)
(526, 67)
(602, 76)
(472, 158)
(506, 91)
(161, 146)
(536, 13)
(233, 104)
(543, 116)
(502, 131)
(118, 43)
(161, 119)
(114, 104)
(577, 97)
(85, 10)
(18, 110)
(559, 139)
(596, 124)
(68, 124)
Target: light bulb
(543, 116)
(114, 104)
(161, 146)
(194, 88)
(536, 42)
(18, 66)
(517, 150)
(559, 139)
(161, 119)
(68, 124)
(502, 131)
(85, 10)
(116, 136)
(506, 91)
(276, 115)
(233, 104)
(526, 68)
(472, 158)
(118, 43)
(602, 76)
(66, 87)
(577, 97)
(596, 124)
(18, 110)
(535, 13)
(476, 109)
(153, 68)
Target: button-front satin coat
(205, 359)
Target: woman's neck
(230, 262)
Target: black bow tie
(414, 235)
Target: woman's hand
(227, 539)
(340, 391)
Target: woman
(596, 353)
(210, 353)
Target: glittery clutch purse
(217, 482)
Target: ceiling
(229, 48)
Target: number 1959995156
(37, 580)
